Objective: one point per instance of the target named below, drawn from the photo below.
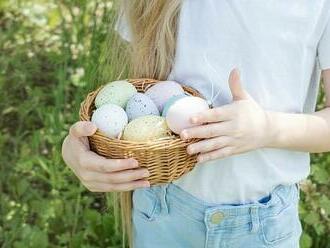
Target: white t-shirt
(280, 48)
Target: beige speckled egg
(146, 128)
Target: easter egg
(178, 115)
(161, 92)
(170, 102)
(117, 92)
(146, 128)
(110, 119)
(140, 105)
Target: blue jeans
(167, 216)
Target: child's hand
(231, 129)
(97, 173)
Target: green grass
(51, 54)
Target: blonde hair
(153, 28)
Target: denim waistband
(172, 195)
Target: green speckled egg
(117, 92)
(146, 128)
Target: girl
(256, 139)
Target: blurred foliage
(50, 52)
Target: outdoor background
(50, 52)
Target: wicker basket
(166, 158)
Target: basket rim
(166, 142)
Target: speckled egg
(178, 115)
(161, 92)
(140, 105)
(117, 92)
(146, 128)
(110, 119)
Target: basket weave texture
(166, 158)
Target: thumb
(82, 129)
(235, 86)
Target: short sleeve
(122, 26)
(324, 48)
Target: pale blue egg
(140, 105)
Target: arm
(244, 126)
(303, 132)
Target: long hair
(153, 31)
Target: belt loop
(254, 219)
(163, 199)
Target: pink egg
(161, 92)
(180, 112)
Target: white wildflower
(75, 11)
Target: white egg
(170, 102)
(117, 92)
(146, 128)
(110, 119)
(180, 111)
(161, 92)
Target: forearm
(302, 132)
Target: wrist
(272, 129)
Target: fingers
(208, 145)
(116, 177)
(99, 174)
(82, 129)
(89, 160)
(236, 87)
(217, 154)
(223, 113)
(103, 187)
(207, 131)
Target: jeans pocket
(146, 204)
(282, 226)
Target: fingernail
(190, 150)
(91, 127)
(194, 120)
(134, 163)
(184, 134)
(146, 174)
(146, 184)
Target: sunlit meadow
(51, 54)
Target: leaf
(319, 229)
(321, 175)
(9, 110)
(306, 241)
(312, 218)
(39, 239)
(325, 204)
(22, 186)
